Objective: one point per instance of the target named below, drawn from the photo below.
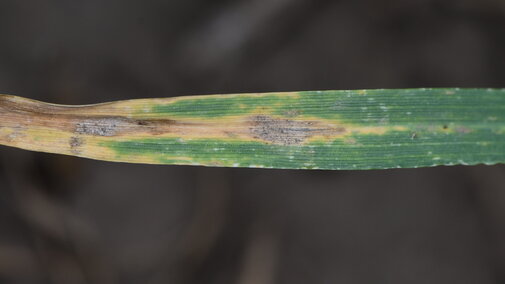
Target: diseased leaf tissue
(360, 129)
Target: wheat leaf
(359, 129)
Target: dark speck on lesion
(76, 143)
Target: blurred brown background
(69, 220)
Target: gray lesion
(287, 131)
(106, 126)
(117, 125)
